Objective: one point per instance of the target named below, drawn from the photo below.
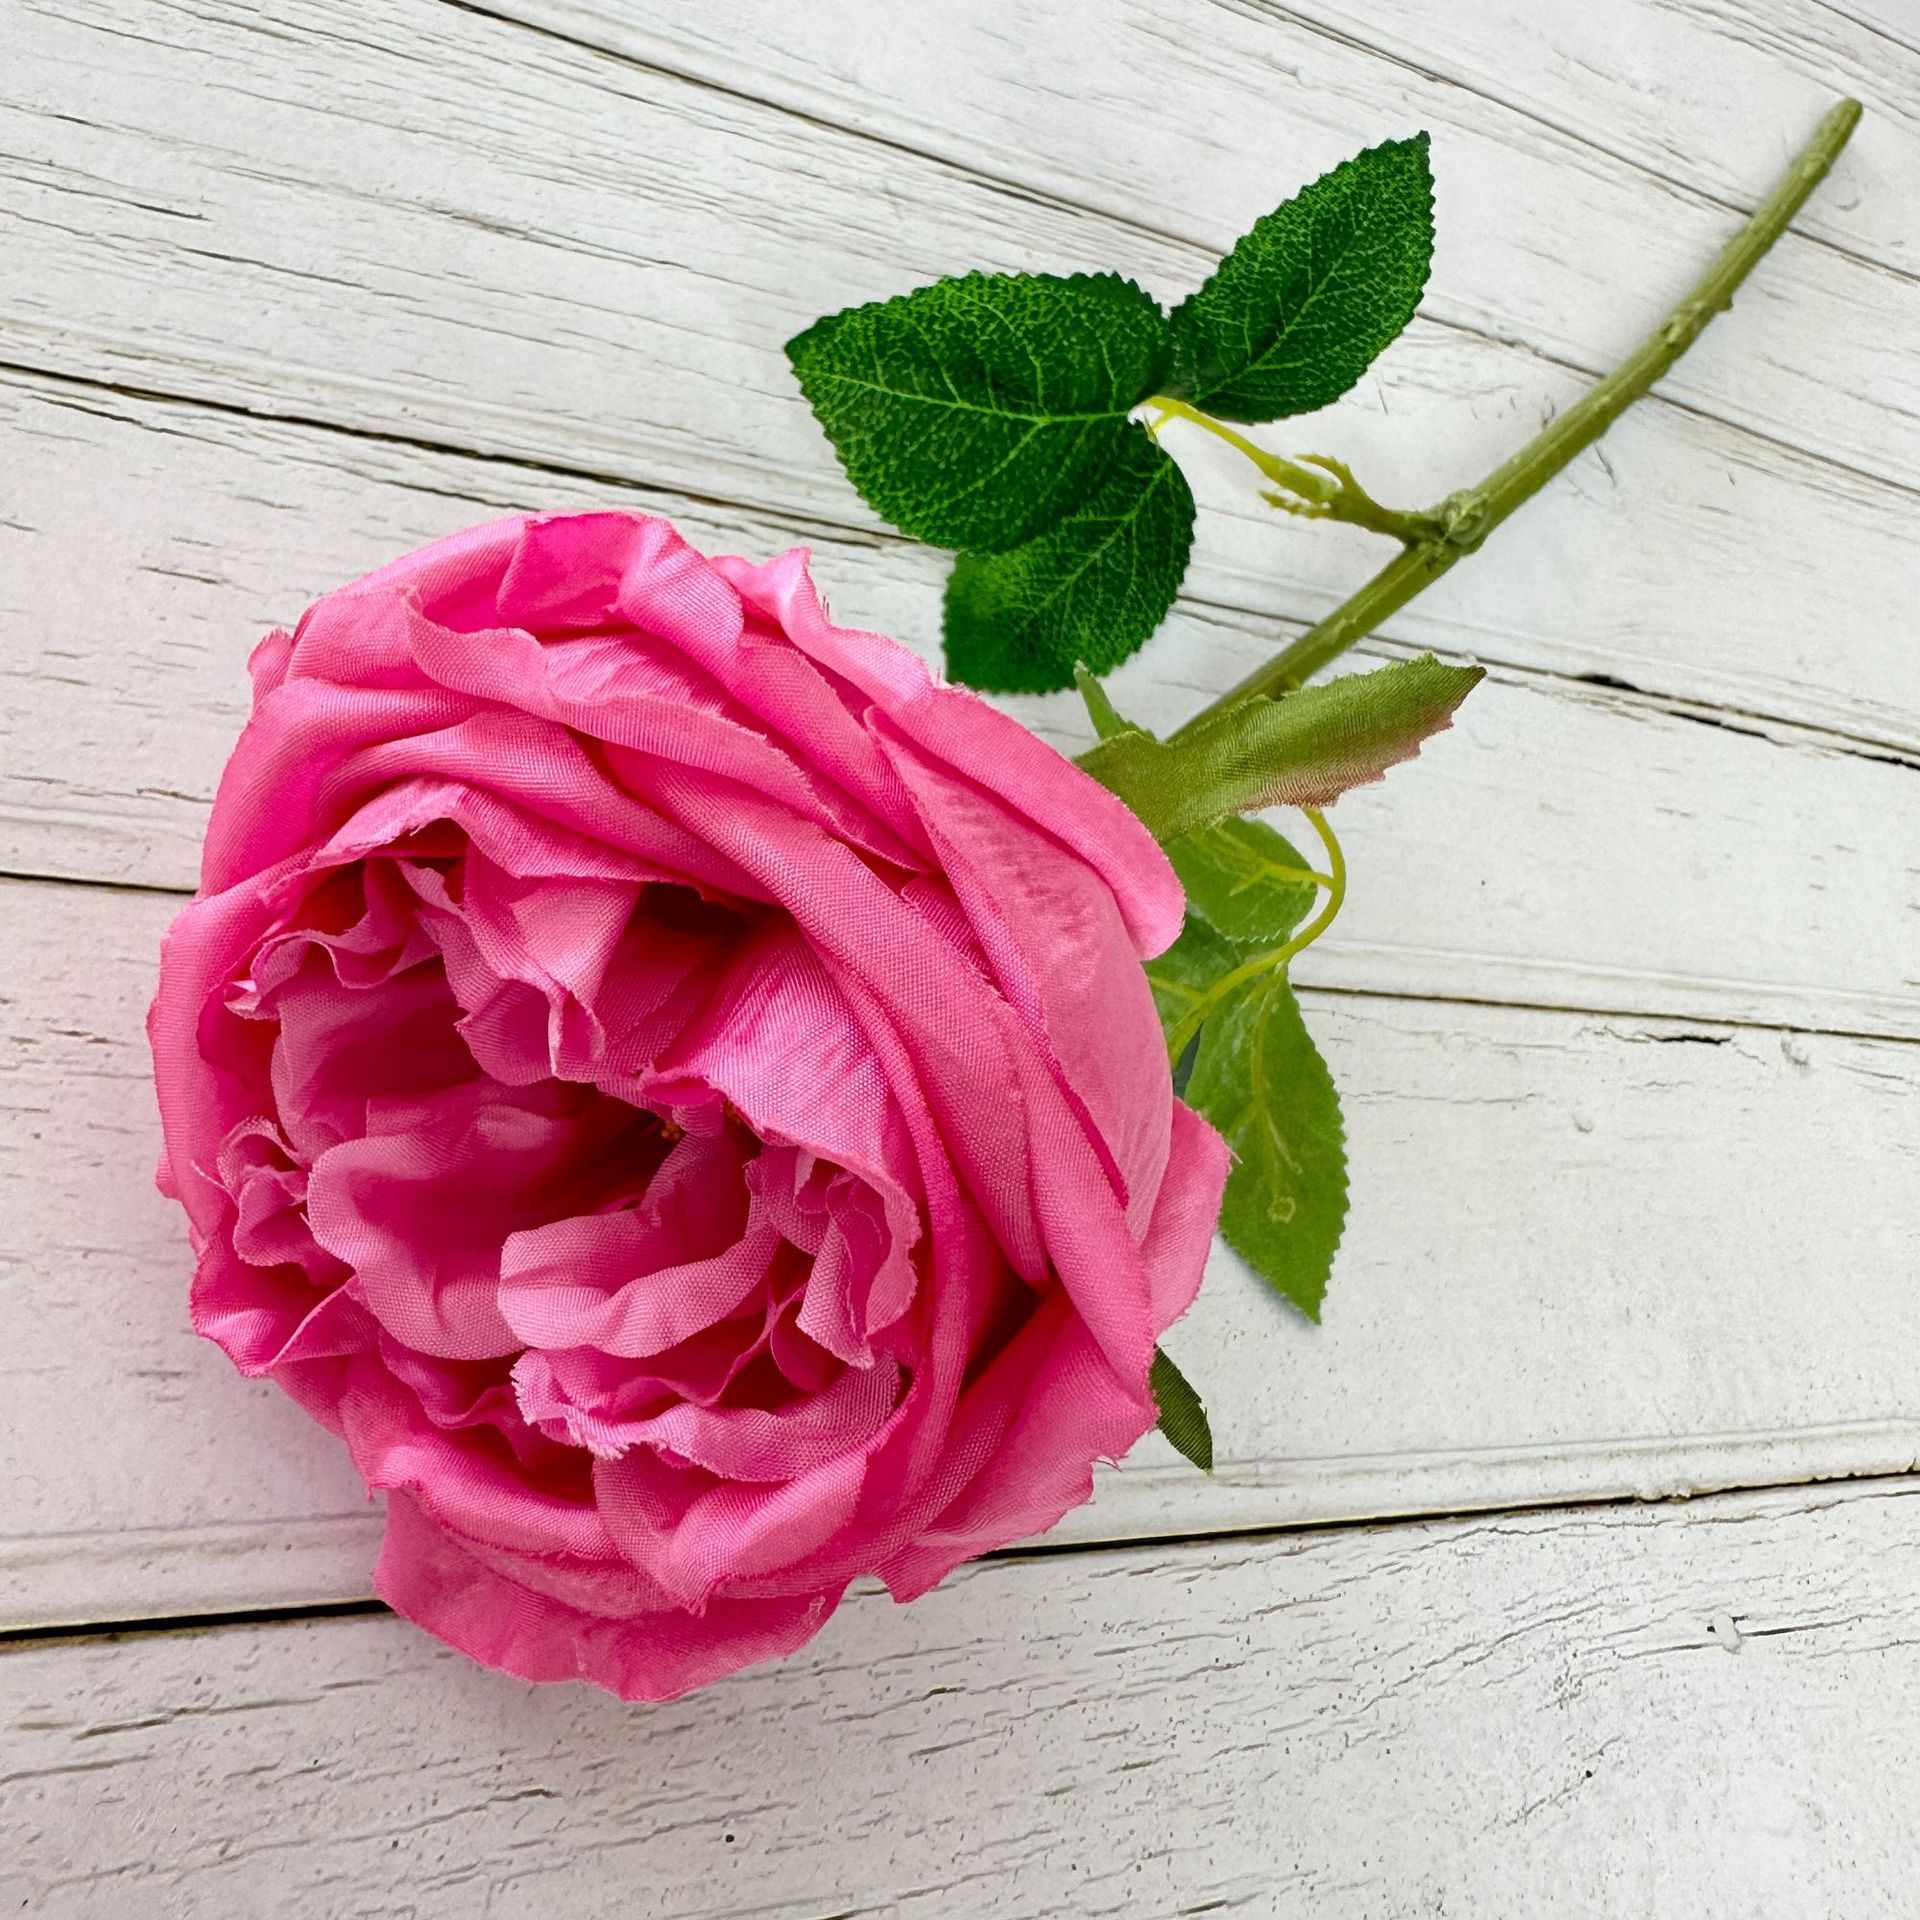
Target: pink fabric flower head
(674, 1088)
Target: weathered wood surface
(1479, 875)
(1624, 1005)
(590, 263)
(1588, 1255)
(1696, 1713)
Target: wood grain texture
(590, 263)
(1698, 1713)
(1624, 1007)
(1587, 1257)
(1478, 872)
(1645, 88)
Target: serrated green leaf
(1303, 750)
(975, 412)
(1244, 879)
(1259, 1078)
(1306, 300)
(1181, 976)
(1182, 1418)
(1090, 589)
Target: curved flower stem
(1463, 520)
(1335, 882)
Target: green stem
(1463, 520)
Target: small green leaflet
(1259, 1078)
(1181, 976)
(976, 412)
(1302, 750)
(1090, 589)
(1252, 1069)
(1245, 880)
(1182, 1418)
(1304, 303)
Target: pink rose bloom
(674, 1088)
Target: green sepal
(1106, 717)
(1182, 1418)
(1302, 750)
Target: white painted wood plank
(1478, 873)
(1587, 1256)
(1704, 96)
(1210, 100)
(1698, 1713)
(1703, 93)
(560, 255)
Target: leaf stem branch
(1462, 521)
(1314, 486)
(1335, 882)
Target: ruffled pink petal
(643, 700)
(1049, 1407)
(780, 1041)
(762, 1445)
(960, 728)
(206, 949)
(696, 1534)
(1052, 932)
(431, 1579)
(640, 1280)
(421, 1208)
(338, 1047)
(1185, 1213)
(859, 927)
(1035, 1422)
(269, 806)
(540, 778)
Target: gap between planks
(1707, 1712)
(1616, 998)
(1588, 687)
(177, 1578)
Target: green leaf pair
(1252, 1069)
(1250, 1066)
(1242, 1053)
(991, 413)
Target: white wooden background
(1625, 1004)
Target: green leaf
(1182, 1418)
(1259, 1078)
(1090, 589)
(975, 412)
(1181, 976)
(1244, 879)
(1297, 312)
(1303, 750)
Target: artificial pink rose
(673, 1087)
